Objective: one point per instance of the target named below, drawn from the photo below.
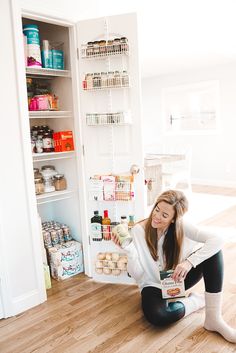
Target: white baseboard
(25, 302)
(211, 182)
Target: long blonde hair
(173, 241)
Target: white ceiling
(177, 35)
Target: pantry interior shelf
(41, 72)
(50, 114)
(54, 196)
(43, 157)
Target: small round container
(60, 182)
(39, 186)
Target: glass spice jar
(89, 50)
(102, 47)
(60, 182)
(39, 186)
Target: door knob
(134, 169)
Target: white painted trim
(25, 302)
(80, 157)
(26, 150)
(45, 18)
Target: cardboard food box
(170, 288)
(124, 187)
(63, 141)
(66, 259)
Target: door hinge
(89, 240)
(77, 53)
(83, 150)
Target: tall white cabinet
(100, 149)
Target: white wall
(21, 276)
(213, 160)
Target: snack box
(65, 260)
(170, 288)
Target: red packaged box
(63, 141)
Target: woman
(165, 241)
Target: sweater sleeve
(134, 266)
(212, 243)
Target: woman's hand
(182, 270)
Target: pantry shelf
(41, 72)
(54, 196)
(50, 114)
(43, 157)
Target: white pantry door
(112, 148)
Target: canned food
(123, 235)
(47, 239)
(54, 237)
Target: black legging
(157, 310)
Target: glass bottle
(131, 222)
(96, 227)
(106, 226)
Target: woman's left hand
(182, 270)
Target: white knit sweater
(198, 245)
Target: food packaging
(65, 260)
(170, 288)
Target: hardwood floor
(83, 316)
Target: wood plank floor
(82, 316)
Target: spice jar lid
(51, 167)
(38, 180)
(59, 176)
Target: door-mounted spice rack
(119, 118)
(102, 48)
(104, 80)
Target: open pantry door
(111, 132)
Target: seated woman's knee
(159, 317)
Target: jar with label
(110, 79)
(39, 186)
(103, 79)
(116, 45)
(102, 47)
(96, 80)
(47, 142)
(39, 144)
(125, 79)
(124, 44)
(96, 48)
(110, 46)
(89, 50)
(89, 80)
(60, 182)
(117, 79)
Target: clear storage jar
(60, 182)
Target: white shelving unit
(61, 206)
